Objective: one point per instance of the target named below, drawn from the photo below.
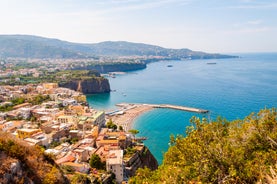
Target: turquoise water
(231, 88)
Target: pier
(126, 106)
(182, 108)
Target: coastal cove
(231, 88)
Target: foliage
(52, 177)
(129, 151)
(120, 128)
(80, 179)
(18, 101)
(54, 144)
(6, 107)
(36, 165)
(95, 162)
(134, 131)
(111, 125)
(56, 77)
(71, 140)
(241, 151)
(68, 169)
(39, 99)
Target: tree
(95, 162)
(120, 128)
(111, 125)
(241, 151)
(134, 132)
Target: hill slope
(27, 46)
(21, 163)
(242, 151)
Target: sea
(229, 88)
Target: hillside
(27, 46)
(241, 151)
(21, 163)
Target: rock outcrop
(88, 86)
(140, 159)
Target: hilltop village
(80, 138)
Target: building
(68, 102)
(66, 119)
(114, 163)
(99, 119)
(50, 85)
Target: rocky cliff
(140, 159)
(148, 160)
(88, 86)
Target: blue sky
(223, 26)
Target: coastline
(126, 116)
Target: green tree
(241, 151)
(111, 125)
(134, 132)
(120, 128)
(95, 162)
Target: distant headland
(29, 46)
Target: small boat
(212, 63)
(169, 65)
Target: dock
(126, 106)
(182, 108)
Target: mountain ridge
(29, 46)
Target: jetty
(168, 106)
(182, 108)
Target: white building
(114, 163)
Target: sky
(221, 26)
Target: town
(80, 138)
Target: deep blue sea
(231, 88)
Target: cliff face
(88, 86)
(115, 67)
(148, 160)
(142, 158)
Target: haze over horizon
(210, 26)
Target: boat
(169, 65)
(211, 63)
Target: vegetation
(129, 151)
(56, 77)
(34, 165)
(134, 132)
(241, 151)
(23, 46)
(80, 179)
(111, 125)
(95, 162)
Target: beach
(127, 113)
